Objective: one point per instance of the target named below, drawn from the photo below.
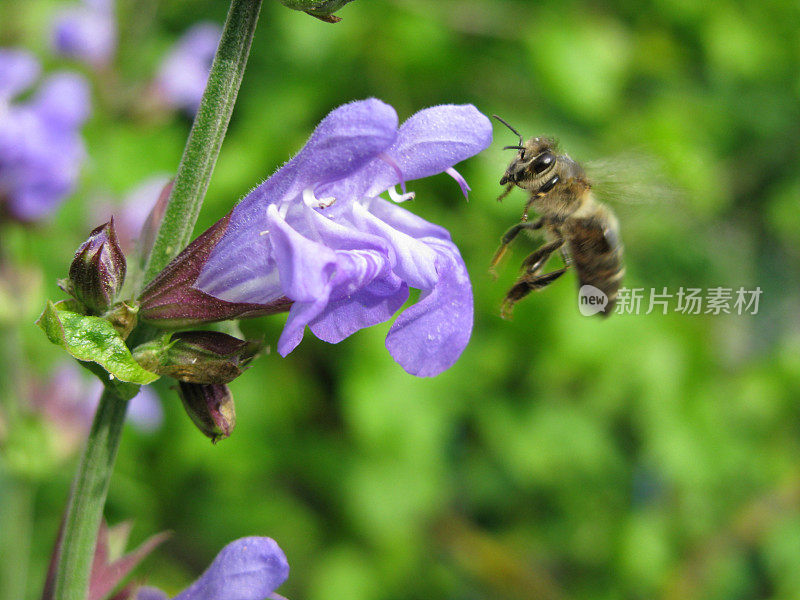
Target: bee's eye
(542, 162)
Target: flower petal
(415, 261)
(306, 267)
(433, 140)
(86, 34)
(428, 143)
(344, 141)
(405, 221)
(300, 315)
(63, 100)
(374, 304)
(18, 70)
(42, 158)
(352, 271)
(339, 233)
(429, 336)
(247, 569)
(347, 139)
(150, 593)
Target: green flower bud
(207, 357)
(98, 270)
(210, 407)
(321, 9)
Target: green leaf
(93, 339)
(322, 9)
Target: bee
(583, 230)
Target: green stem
(205, 139)
(16, 518)
(85, 508)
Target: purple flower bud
(182, 77)
(98, 269)
(87, 33)
(210, 407)
(197, 356)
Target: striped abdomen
(596, 252)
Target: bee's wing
(631, 178)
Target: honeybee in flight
(583, 230)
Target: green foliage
(94, 339)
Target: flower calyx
(202, 357)
(170, 300)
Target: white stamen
(400, 197)
(312, 201)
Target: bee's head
(535, 160)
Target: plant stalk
(85, 508)
(205, 139)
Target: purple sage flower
(182, 78)
(250, 568)
(41, 150)
(318, 233)
(86, 32)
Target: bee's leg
(527, 208)
(506, 192)
(528, 283)
(535, 261)
(508, 237)
(532, 280)
(566, 257)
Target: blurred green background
(639, 457)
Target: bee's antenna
(513, 147)
(521, 141)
